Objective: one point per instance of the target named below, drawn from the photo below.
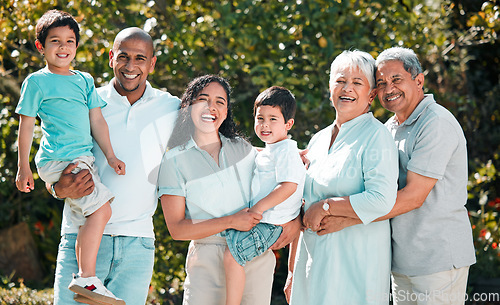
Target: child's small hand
(24, 180)
(254, 209)
(118, 165)
(303, 156)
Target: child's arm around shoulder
(100, 132)
(24, 177)
(289, 169)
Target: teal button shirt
(351, 266)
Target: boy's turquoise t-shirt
(62, 102)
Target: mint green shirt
(351, 266)
(210, 190)
(62, 102)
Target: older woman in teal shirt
(354, 167)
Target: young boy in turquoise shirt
(70, 111)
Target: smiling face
(270, 125)
(350, 93)
(59, 50)
(132, 60)
(397, 91)
(209, 110)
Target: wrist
(230, 222)
(255, 210)
(22, 166)
(53, 192)
(326, 207)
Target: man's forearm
(412, 196)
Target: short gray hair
(354, 59)
(404, 55)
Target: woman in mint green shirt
(204, 186)
(354, 166)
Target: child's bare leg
(89, 238)
(235, 279)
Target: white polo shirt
(139, 134)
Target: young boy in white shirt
(277, 187)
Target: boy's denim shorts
(245, 246)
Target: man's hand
(330, 224)
(73, 185)
(291, 230)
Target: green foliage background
(256, 44)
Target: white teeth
(62, 55)
(266, 132)
(347, 98)
(130, 76)
(390, 99)
(208, 117)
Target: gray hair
(354, 59)
(404, 55)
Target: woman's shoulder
(237, 143)
(376, 134)
(237, 148)
(176, 151)
(373, 126)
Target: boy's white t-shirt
(276, 163)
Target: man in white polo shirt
(140, 120)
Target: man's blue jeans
(124, 265)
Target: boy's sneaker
(80, 298)
(93, 289)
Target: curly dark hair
(184, 127)
(53, 19)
